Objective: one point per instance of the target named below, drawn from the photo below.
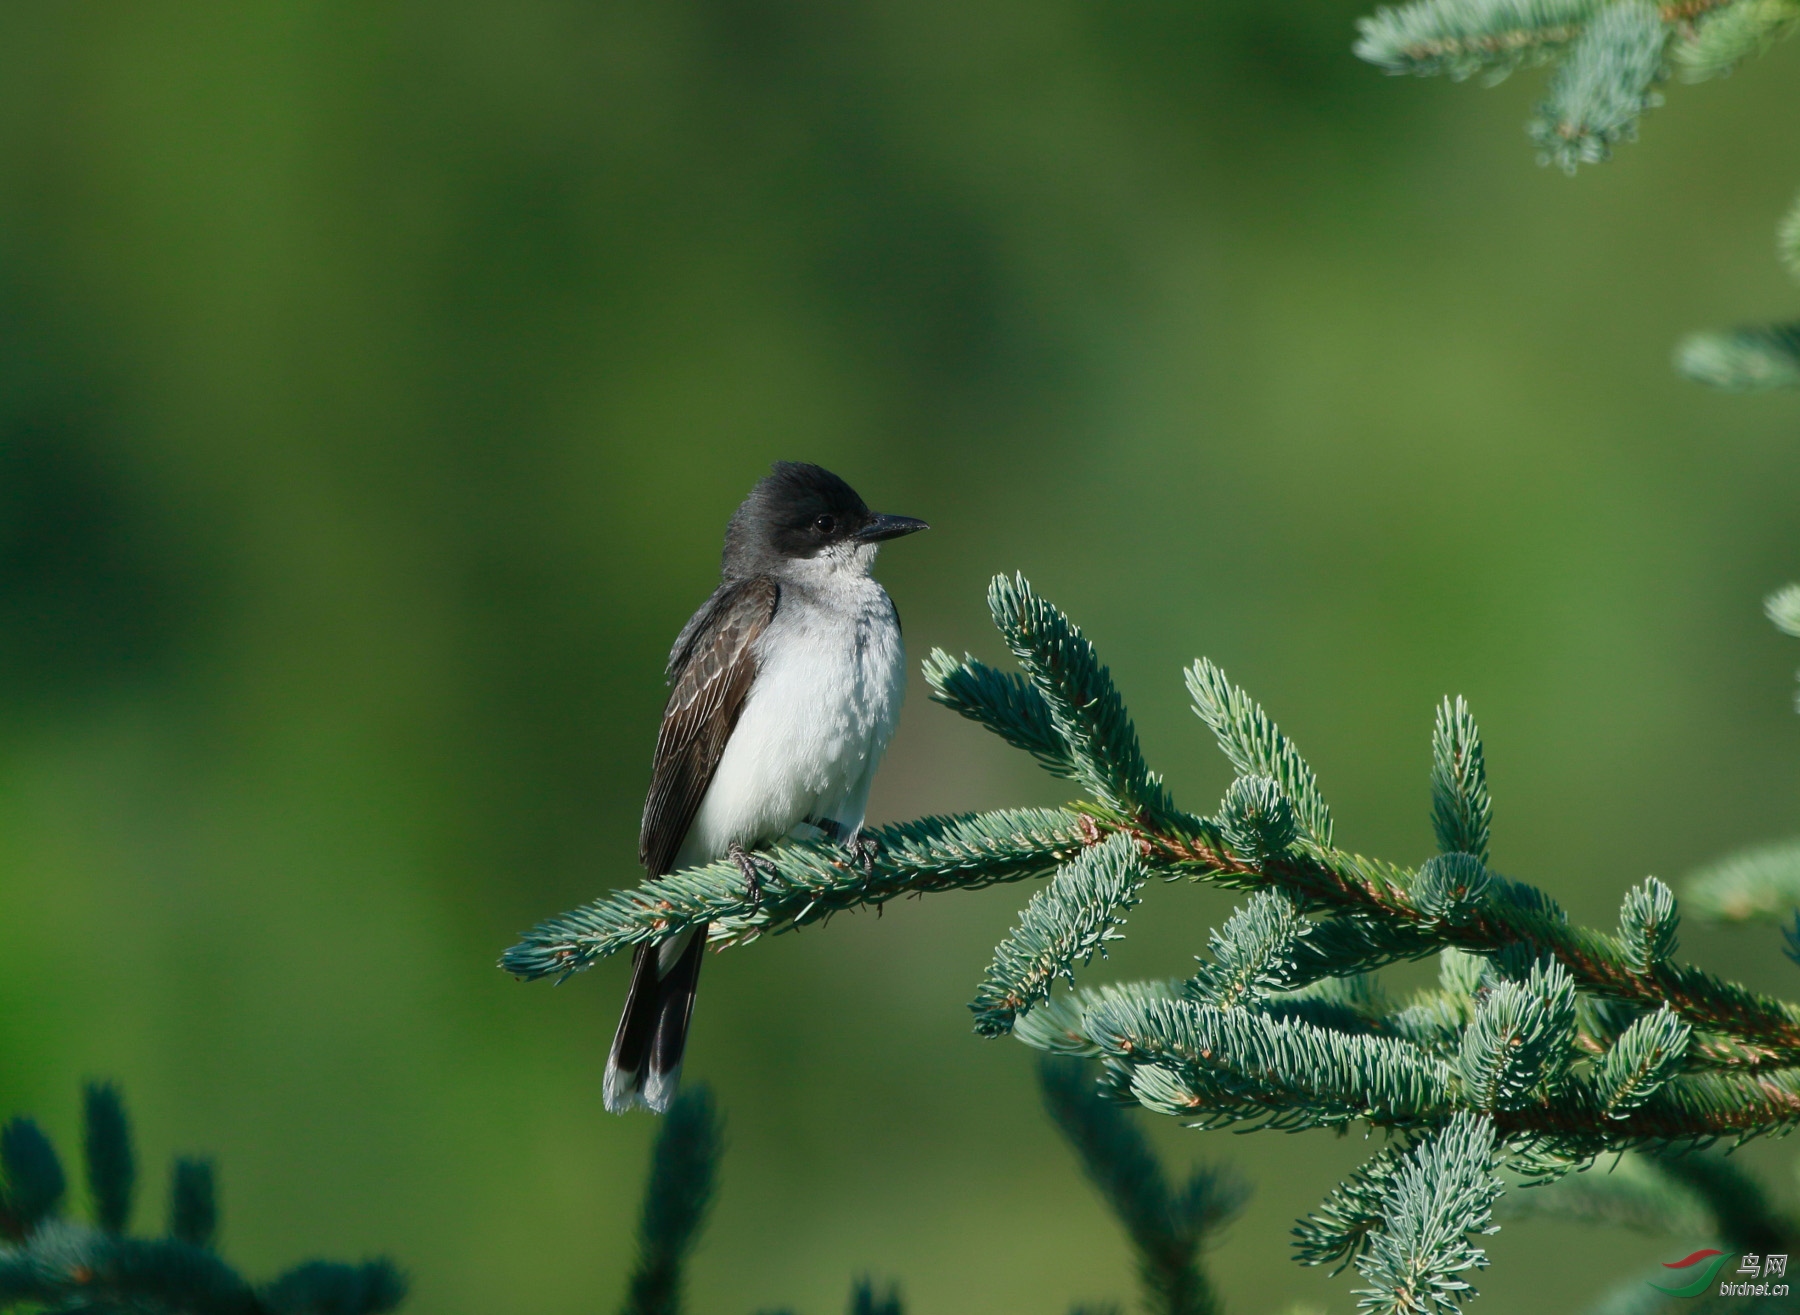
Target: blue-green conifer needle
(1252, 954)
(1339, 1230)
(1783, 607)
(1450, 887)
(1063, 925)
(1439, 1197)
(1006, 704)
(1255, 746)
(1522, 1038)
(1604, 84)
(1085, 709)
(1750, 359)
(1461, 37)
(1646, 1055)
(1460, 807)
(1647, 923)
(1728, 35)
(1256, 820)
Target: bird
(785, 688)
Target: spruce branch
(1462, 37)
(1234, 1066)
(1272, 1068)
(1373, 912)
(1085, 709)
(812, 880)
(1008, 705)
(1646, 1055)
(1066, 923)
(1377, 920)
(1725, 37)
(1608, 56)
(1255, 819)
(1450, 887)
(1256, 747)
(1783, 606)
(1761, 883)
(684, 1167)
(1059, 1025)
(1253, 953)
(111, 1173)
(1521, 1039)
(1647, 922)
(1460, 807)
(1339, 1230)
(1602, 86)
(1440, 1195)
(1166, 1226)
(1544, 1045)
(1749, 359)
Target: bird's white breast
(830, 678)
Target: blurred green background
(376, 379)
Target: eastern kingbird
(784, 689)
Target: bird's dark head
(800, 512)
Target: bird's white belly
(824, 703)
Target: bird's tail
(644, 1067)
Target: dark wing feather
(710, 673)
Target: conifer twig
(684, 1174)
(811, 881)
(1167, 1227)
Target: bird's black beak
(889, 527)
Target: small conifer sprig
(1609, 54)
(1167, 1225)
(56, 1265)
(1066, 923)
(1544, 1045)
(684, 1177)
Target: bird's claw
(863, 849)
(752, 866)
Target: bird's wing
(710, 675)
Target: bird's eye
(824, 524)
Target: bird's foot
(863, 848)
(752, 866)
